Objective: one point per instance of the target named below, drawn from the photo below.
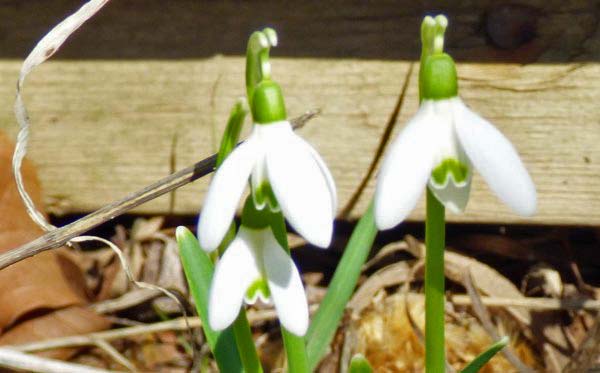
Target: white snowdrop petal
(301, 190)
(225, 192)
(326, 174)
(406, 169)
(285, 284)
(454, 197)
(497, 161)
(234, 273)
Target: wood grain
(103, 128)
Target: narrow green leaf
(325, 322)
(245, 343)
(295, 348)
(485, 356)
(198, 269)
(360, 364)
(231, 135)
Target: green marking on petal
(258, 287)
(263, 196)
(255, 218)
(450, 166)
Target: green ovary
(448, 166)
(258, 287)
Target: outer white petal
(225, 192)
(496, 160)
(301, 190)
(406, 169)
(235, 272)
(286, 287)
(326, 174)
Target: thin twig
(62, 235)
(486, 321)
(587, 355)
(115, 355)
(540, 304)
(125, 301)
(12, 359)
(108, 335)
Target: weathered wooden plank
(103, 129)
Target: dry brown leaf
(46, 281)
(35, 283)
(16, 227)
(387, 338)
(68, 321)
(146, 229)
(156, 354)
(487, 280)
(40, 284)
(393, 274)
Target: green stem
(295, 348)
(245, 344)
(434, 286)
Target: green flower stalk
(443, 142)
(287, 179)
(438, 149)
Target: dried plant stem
(486, 321)
(542, 304)
(115, 355)
(127, 300)
(60, 236)
(91, 339)
(12, 359)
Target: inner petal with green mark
(263, 195)
(258, 288)
(450, 166)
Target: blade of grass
(245, 344)
(295, 348)
(199, 269)
(485, 356)
(325, 322)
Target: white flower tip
(320, 237)
(218, 320)
(385, 219)
(387, 215)
(528, 206)
(208, 241)
(299, 327)
(454, 208)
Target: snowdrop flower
(440, 146)
(286, 173)
(255, 265)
